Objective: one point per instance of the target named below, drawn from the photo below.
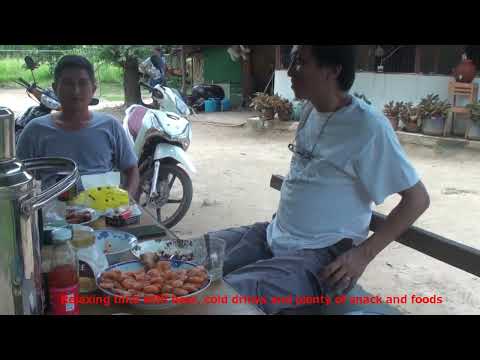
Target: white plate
(120, 244)
(192, 251)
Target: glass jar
(61, 265)
(91, 259)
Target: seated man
(95, 141)
(346, 157)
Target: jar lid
(62, 234)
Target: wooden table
(219, 289)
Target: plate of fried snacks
(154, 283)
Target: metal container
(20, 199)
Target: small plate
(137, 265)
(118, 242)
(191, 251)
(95, 216)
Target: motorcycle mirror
(94, 101)
(31, 65)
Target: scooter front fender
(163, 151)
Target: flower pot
(411, 126)
(474, 131)
(465, 71)
(284, 116)
(268, 114)
(433, 126)
(297, 110)
(459, 127)
(393, 121)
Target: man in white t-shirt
(346, 157)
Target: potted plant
(433, 113)
(392, 112)
(409, 114)
(265, 105)
(474, 130)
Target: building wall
(383, 88)
(218, 68)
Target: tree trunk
(184, 77)
(131, 84)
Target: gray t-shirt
(100, 147)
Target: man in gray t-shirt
(95, 141)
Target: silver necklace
(309, 156)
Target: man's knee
(274, 285)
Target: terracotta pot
(412, 126)
(268, 114)
(284, 116)
(393, 121)
(465, 71)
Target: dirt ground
(231, 188)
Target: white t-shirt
(357, 161)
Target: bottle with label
(62, 276)
(90, 257)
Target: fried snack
(157, 278)
(180, 292)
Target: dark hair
(338, 55)
(74, 61)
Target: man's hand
(342, 274)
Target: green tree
(128, 57)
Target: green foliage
(475, 112)
(432, 106)
(11, 69)
(118, 54)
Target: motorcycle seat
(135, 120)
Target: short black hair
(74, 61)
(338, 55)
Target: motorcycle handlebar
(23, 82)
(151, 88)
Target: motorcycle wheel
(172, 172)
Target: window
(397, 58)
(283, 56)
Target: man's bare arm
(415, 201)
(345, 270)
(133, 182)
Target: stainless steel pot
(20, 262)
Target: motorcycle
(160, 140)
(164, 98)
(203, 92)
(46, 98)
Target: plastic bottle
(62, 276)
(90, 257)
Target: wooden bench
(448, 251)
